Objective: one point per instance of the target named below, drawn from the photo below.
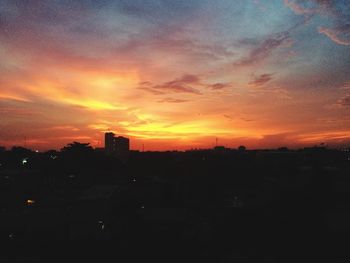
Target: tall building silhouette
(122, 145)
(117, 145)
(109, 142)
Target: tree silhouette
(77, 148)
(77, 156)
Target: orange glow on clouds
(176, 82)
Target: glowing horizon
(175, 75)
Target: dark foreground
(199, 206)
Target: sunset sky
(175, 74)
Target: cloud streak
(172, 100)
(260, 80)
(337, 11)
(297, 8)
(339, 35)
(219, 86)
(183, 84)
(264, 49)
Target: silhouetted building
(117, 145)
(122, 145)
(109, 142)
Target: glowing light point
(30, 202)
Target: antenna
(143, 147)
(216, 141)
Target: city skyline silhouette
(174, 131)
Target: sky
(175, 74)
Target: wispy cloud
(260, 80)
(187, 83)
(297, 8)
(183, 84)
(337, 11)
(339, 34)
(172, 100)
(219, 86)
(264, 49)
